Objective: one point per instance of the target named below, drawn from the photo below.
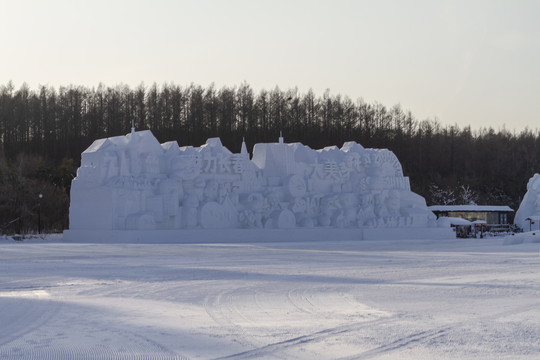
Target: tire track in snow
(25, 315)
(33, 328)
(233, 301)
(418, 337)
(132, 345)
(222, 310)
(299, 304)
(300, 340)
(139, 343)
(423, 336)
(298, 298)
(415, 338)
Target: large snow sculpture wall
(134, 183)
(530, 206)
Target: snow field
(407, 299)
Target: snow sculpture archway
(134, 183)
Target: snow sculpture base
(130, 184)
(254, 235)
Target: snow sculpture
(530, 206)
(134, 183)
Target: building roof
(454, 221)
(471, 208)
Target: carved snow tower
(132, 182)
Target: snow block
(132, 183)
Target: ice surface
(133, 183)
(407, 299)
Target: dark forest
(43, 132)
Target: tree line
(43, 132)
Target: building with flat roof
(482, 218)
(491, 214)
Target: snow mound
(528, 214)
(522, 238)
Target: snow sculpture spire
(132, 126)
(243, 150)
(280, 137)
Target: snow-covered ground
(473, 298)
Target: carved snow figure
(380, 206)
(195, 187)
(211, 190)
(171, 193)
(366, 214)
(327, 210)
(251, 216)
(349, 206)
(295, 186)
(299, 208)
(281, 219)
(186, 167)
(133, 183)
(224, 190)
(271, 202)
(190, 211)
(392, 207)
(218, 216)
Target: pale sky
(463, 62)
